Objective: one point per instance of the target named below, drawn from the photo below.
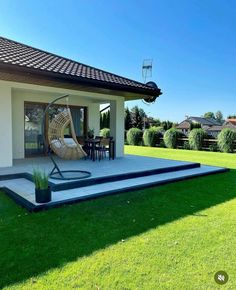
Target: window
(34, 130)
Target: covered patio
(107, 177)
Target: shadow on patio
(31, 244)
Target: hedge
(134, 136)
(152, 135)
(196, 138)
(225, 140)
(171, 138)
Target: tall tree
(137, 116)
(107, 123)
(209, 115)
(231, 117)
(156, 122)
(166, 124)
(219, 116)
(128, 120)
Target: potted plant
(90, 133)
(42, 188)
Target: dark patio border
(34, 208)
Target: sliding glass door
(34, 144)
(33, 129)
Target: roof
(231, 121)
(16, 55)
(184, 125)
(204, 121)
(215, 128)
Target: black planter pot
(43, 195)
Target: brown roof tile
(231, 121)
(27, 57)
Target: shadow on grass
(31, 244)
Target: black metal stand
(56, 173)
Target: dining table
(92, 144)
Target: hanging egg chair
(65, 148)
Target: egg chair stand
(57, 144)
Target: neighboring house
(31, 78)
(230, 123)
(214, 131)
(205, 124)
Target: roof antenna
(147, 73)
(147, 69)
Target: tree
(137, 115)
(195, 125)
(209, 115)
(219, 116)
(105, 120)
(166, 125)
(101, 120)
(231, 117)
(128, 120)
(150, 122)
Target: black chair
(104, 147)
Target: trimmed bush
(186, 145)
(171, 138)
(134, 136)
(213, 147)
(162, 144)
(105, 132)
(196, 138)
(225, 140)
(151, 136)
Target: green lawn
(174, 236)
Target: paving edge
(35, 208)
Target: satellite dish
(151, 99)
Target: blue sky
(192, 44)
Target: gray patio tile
(129, 163)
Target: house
(230, 123)
(31, 78)
(214, 130)
(205, 123)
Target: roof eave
(126, 91)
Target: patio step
(137, 183)
(65, 185)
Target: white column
(117, 125)
(5, 126)
(94, 118)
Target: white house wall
(117, 124)
(5, 127)
(12, 98)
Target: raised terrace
(107, 177)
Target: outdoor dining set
(97, 148)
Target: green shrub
(151, 136)
(171, 138)
(162, 144)
(196, 138)
(134, 136)
(186, 145)
(213, 147)
(226, 139)
(105, 132)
